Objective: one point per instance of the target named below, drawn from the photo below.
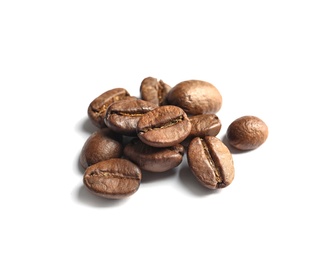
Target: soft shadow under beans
(86, 197)
(87, 126)
(192, 184)
(148, 177)
(230, 147)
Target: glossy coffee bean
(97, 108)
(154, 91)
(113, 179)
(211, 162)
(164, 126)
(153, 159)
(100, 146)
(247, 133)
(123, 116)
(195, 97)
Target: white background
(268, 58)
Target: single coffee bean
(115, 178)
(211, 162)
(123, 116)
(153, 159)
(154, 91)
(205, 124)
(247, 133)
(100, 146)
(97, 108)
(195, 97)
(163, 126)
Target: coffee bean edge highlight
(247, 133)
(153, 159)
(195, 97)
(98, 106)
(211, 162)
(116, 178)
(164, 126)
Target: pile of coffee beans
(153, 132)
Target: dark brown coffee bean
(153, 159)
(247, 133)
(195, 97)
(164, 126)
(123, 116)
(113, 179)
(154, 91)
(211, 162)
(100, 146)
(97, 108)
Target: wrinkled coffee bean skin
(211, 162)
(247, 133)
(97, 108)
(154, 91)
(153, 159)
(164, 126)
(195, 97)
(100, 146)
(115, 178)
(123, 116)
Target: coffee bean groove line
(216, 170)
(111, 174)
(166, 125)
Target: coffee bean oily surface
(153, 159)
(115, 178)
(195, 97)
(164, 126)
(154, 91)
(97, 108)
(123, 116)
(211, 162)
(101, 145)
(247, 133)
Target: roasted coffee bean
(153, 159)
(205, 124)
(97, 108)
(123, 116)
(211, 162)
(195, 97)
(164, 126)
(154, 91)
(100, 146)
(115, 178)
(247, 133)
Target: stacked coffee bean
(151, 133)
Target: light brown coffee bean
(153, 159)
(247, 133)
(97, 108)
(195, 97)
(100, 146)
(211, 162)
(123, 116)
(154, 91)
(164, 126)
(115, 178)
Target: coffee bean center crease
(217, 170)
(164, 125)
